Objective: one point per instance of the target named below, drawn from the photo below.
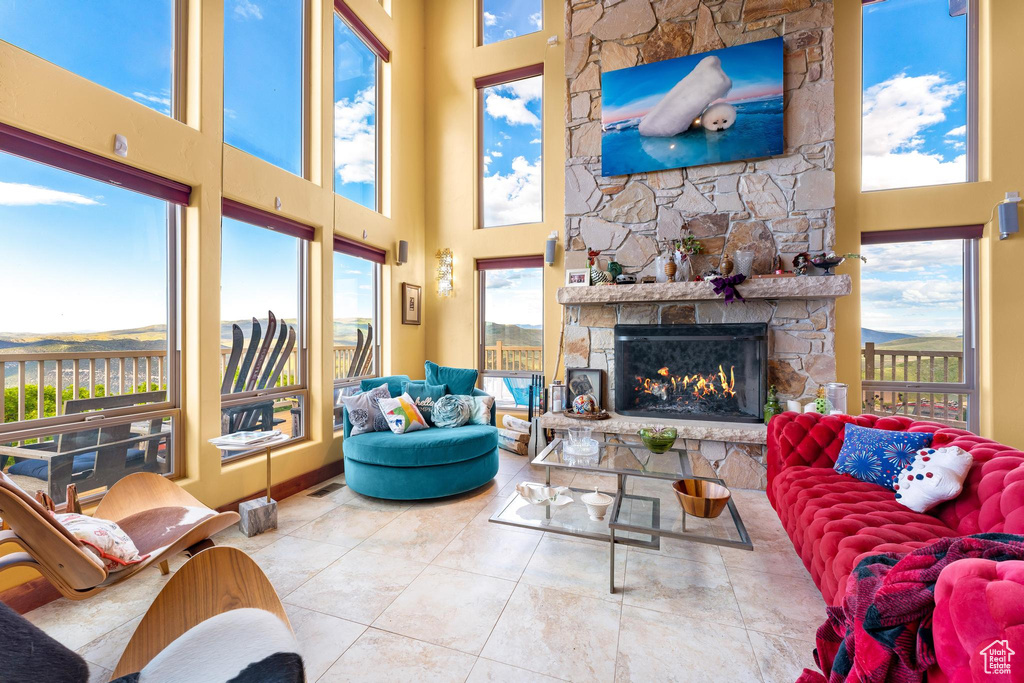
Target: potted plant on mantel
(677, 265)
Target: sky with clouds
(915, 95)
(513, 178)
(515, 296)
(504, 19)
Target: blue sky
(513, 178)
(355, 132)
(515, 296)
(755, 70)
(915, 94)
(504, 19)
(259, 272)
(78, 255)
(263, 80)
(134, 60)
(353, 287)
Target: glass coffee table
(644, 509)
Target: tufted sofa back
(993, 495)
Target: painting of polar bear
(707, 108)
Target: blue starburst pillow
(878, 455)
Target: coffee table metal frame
(627, 531)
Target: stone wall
(779, 206)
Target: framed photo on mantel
(411, 304)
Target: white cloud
(247, 9)
(22, 194)
(514, 198)
(496, 154)
(535, 141)
(163, 101)
(537, 20)
(509, 33)
(355, 140)
(915, 258)
(895, 114)
(487, 160)
(509, 101)
(490, 19)
(957, 132)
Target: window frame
(342, 383)
(41, 150)
(970, 236)
(305, 236)
(382, 54)
(482, 266)
(973, 119)
(481, 84)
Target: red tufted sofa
(834, 520)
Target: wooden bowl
(701, 498)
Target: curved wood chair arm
(214, 581)
(142, 491)
(11, 560)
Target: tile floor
(387, 591)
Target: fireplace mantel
(808, 287)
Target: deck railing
(513, 358)
(884, 370)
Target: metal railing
(82, 375)
(926, 385)
(513, 358)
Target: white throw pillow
(402, 414)
(481, 414)
(364, 411)
(104, 539)
(934, 476)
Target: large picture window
(505, 19)
(357, 330)
(511, 171)
(263, 322)
(88, 320)
(264, 76)
(83, 37)
(918, 321)
(918, 126)
(511, 327)
(356, 69)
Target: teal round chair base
(418, 483)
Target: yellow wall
(1001, 142)
(453, 61)
(45, 99)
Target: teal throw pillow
(459, 380)
(394, 383)
(425, 396)
(452, 411)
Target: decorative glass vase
(743, 263)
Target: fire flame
(714, 384)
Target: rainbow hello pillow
(402, 415)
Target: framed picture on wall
(584, 381)
(411, 295)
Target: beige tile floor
(386, 591)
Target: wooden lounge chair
(160, 517)
(211, 583)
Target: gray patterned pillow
(364, 410)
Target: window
(918, 125)
(80, 37)
(88, 320)
(504, 19)
(511, 327)
(357, 328)
(263, 80)
(511, 151)
(355, 116)
(918, 317)
(263, 319)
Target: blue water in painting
(757, 133)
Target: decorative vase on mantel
(670, 270)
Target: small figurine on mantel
(772, 406)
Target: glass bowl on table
(658, 441)
(579, 447)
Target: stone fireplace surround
(800, 315)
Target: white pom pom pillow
(934, 476)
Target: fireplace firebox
(692, 372)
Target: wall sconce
(445, 271)
(403, 253)
(549, 248)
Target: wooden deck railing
(502, 357)
(882, 368)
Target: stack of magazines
(245, 438)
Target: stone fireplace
(715, 371)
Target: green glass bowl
(658, 440)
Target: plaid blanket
(883, 630)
